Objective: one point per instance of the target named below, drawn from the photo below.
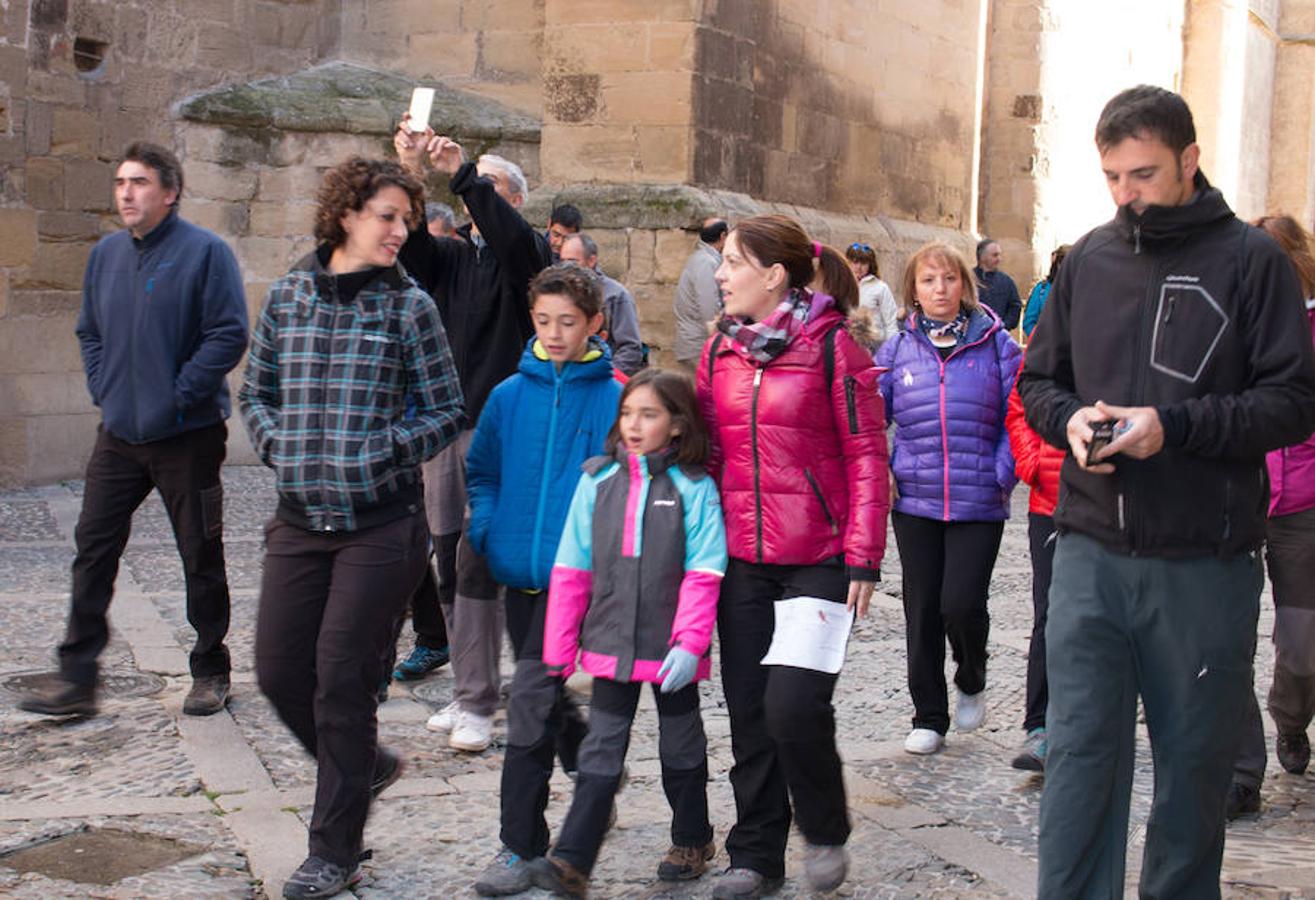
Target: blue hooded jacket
(537, 429)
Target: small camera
(1101, 435)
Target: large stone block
(510, 55)
(587, 153)
(147, 88)
(58, 264)
(32, 345)
(89, 184)
(647, 98)
(222, 47)
(265, 258)
(216, 182)
(18, 236)
(671, 47)
(291, 183)
(44, 394)
(445, 53)
(44, 182)
(596, 48)
(66, 226)
(131, 29)
(664, 152)
(44, 304)
(641, 254)
(39, 121)
(281, 219)
(579, 12)
(55, 87)
(671, 247)
(73, 132)
(60, 446)
(494, 15)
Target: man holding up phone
(1183, 327)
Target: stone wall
(79, 80)
(1292, 140)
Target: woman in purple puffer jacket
(948, 374)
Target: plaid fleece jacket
(344, 400)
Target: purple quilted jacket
(951, 458)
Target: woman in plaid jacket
(349, 387)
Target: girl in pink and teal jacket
(634, 594)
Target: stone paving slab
(958, 824)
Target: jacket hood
(863, 328)
(1160, 224)
(596, 365)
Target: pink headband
(817, 250)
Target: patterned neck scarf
(944, 334)
(767, 339)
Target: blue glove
(680, 667)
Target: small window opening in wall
(88, 55)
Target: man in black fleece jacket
(480, 281)
(1184, 326)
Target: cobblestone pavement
(237, 789)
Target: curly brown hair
(348, 186)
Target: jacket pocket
(817, 492)
(851, 404)
(1189, 324)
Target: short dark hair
(983, 244)
(347, 187)
(675, 391)
(582, 286)
(162, 160)
(567, 216)
(712, 232)
(1146, 111)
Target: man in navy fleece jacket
(163, 320)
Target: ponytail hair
(779, 239)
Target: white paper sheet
(810, 633)
(422, 101)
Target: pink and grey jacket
(1292, 469)
(638, 569)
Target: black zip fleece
(1196, 313)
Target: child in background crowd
(537, 428)
(639, 622)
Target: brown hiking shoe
(558, 877)
(684, 863)
(209, 695)
(54, 695)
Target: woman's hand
(410, 146)
(860, 595)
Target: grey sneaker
(825, 866)
(508, 874)
(734, 884)
(209, 695)
(55, 695)
(318, 877)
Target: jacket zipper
(324, 404)
(547, 459)
(757, 469)
(945, 449)
(1228, 510)
(1136, 240)
(850, 405)
(1149, 314)
(817, 492)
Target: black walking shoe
(55, 695)
(1243, 799)
(318, 877)
(388, 767)
(1293, 752)
(209, 695)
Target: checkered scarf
(765, 340)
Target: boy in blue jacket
(537, 429)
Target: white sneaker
(445, 719)
(473, 733)
(923, 741)
(970, 711)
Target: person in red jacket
(1037, 465)
(798, 449)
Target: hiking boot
(825, 866)
(445, 719)
(318, 877)
(923, 742)
(1032, 757)
(55, 695)
(421, 662)
(473, 733)
(209, 695)
(388, 767)
(1243, 799)
(508, 874)
(1293, 752)
(684, 863)
(559, 877)
(734, 884)
(970, 711)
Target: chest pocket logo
(1188, 327)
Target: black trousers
(1041, 541)
(435, 591)
(783, 730)
(329, 605)
(541, 716)
(947, 573)
(185, 470)
(682, 748)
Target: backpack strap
(712, 355)
(829, 353)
